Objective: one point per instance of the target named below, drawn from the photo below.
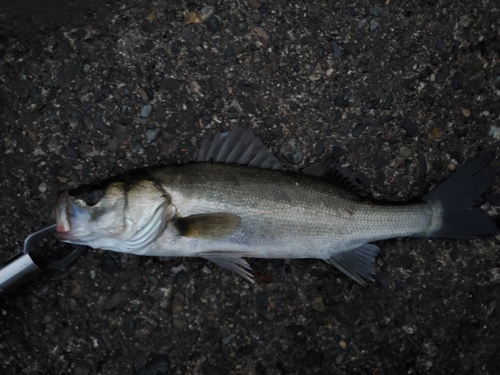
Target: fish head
(116, 215)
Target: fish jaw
(70, 218)
(63, 224)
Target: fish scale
(283, 215)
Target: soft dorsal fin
(345, 178)
(237, 146)
(208, 226)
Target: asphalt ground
(402, 92)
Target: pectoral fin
(358, 263)
(231, 261)
(208, 226)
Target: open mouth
(71, 219)
(63, 224)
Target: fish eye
(93, 195)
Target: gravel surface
(401, 91)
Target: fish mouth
(64, 211)
(63, 224)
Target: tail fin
(458, 196)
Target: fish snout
(63, 224)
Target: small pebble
(100, 125)
(143, 94)
(410, 329)
(206, 12)
(146, 110)
(466, 112)
(179, 324)
(337, 51)
(261, 33)
(70, 152)
(340, 358)
(410, 127)
(318, 304)
(195, 88)
(177, 307)
(373, 25)
(187, 33)
(256, 16)
(451, 166)
(292, 151)
(342, 344)
(113, 145)
(404, 152)
(43, 187)
(314, 77)
(494, 274)
(359, 129)
(376, 10)
(112, 301)
(153, 279)
(262, 300)
(228, 338)
(151, 135)
(181, 277)
(193, 17)
(62, 179)
(495, 131)
(351, 48)
(435, 134)
(213, 24)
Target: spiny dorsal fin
(238, 146)
(342, 177)
(208, 226)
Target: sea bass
(236, 200)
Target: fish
(236, 200)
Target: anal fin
(358, 264)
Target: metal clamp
(30, 262)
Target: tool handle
(18, 270)
(24, 266)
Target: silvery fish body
(282, 215)
(236, 201)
